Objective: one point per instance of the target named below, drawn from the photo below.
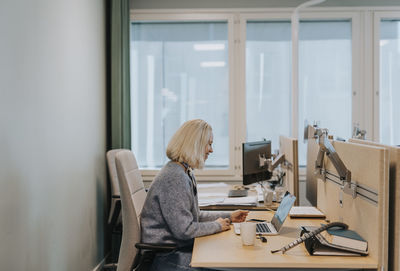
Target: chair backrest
(112, 169)
(115, 214)
(133, 196)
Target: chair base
(116, 238)
(112, 259)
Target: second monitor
(254, 155)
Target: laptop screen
(283, 210)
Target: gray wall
(176, 4)
(52, 134)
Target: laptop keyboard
(262, 228)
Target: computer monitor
(253, 154)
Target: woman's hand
(225, 223)
(239, 216)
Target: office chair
(114, 218)
(133, 255)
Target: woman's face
(209, 148)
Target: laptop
(273, 227)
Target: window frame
(206, 174)
(357, 95)
(378, 16)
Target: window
(389, 81)
(325, 73)
(325, 78)
(234, 70)
(180, 71)
(268, 86)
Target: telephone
(306, 235)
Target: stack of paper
(204, 195)
(251, 201)
(305, 211)
(212, 185)
(210, 201)
(239, 201)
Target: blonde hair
(189, 142)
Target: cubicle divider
(394, 202)
(312, 183)
(367, 213)
(289, 146)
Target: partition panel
(394, 202)
(289, 146)
(369, 166)
(311, 180)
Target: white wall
(52, 134)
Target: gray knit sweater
(171, 214)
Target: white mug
(248, 233)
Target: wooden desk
(225, 250)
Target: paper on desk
(210, 201)
(240, 201)
(305, 211)
(252, 200)
(203, 195)
(211, 185)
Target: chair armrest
(156, 247)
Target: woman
(171, 213)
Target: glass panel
(389, 111)
(268, 87)
(325, 78)
(179, 71)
